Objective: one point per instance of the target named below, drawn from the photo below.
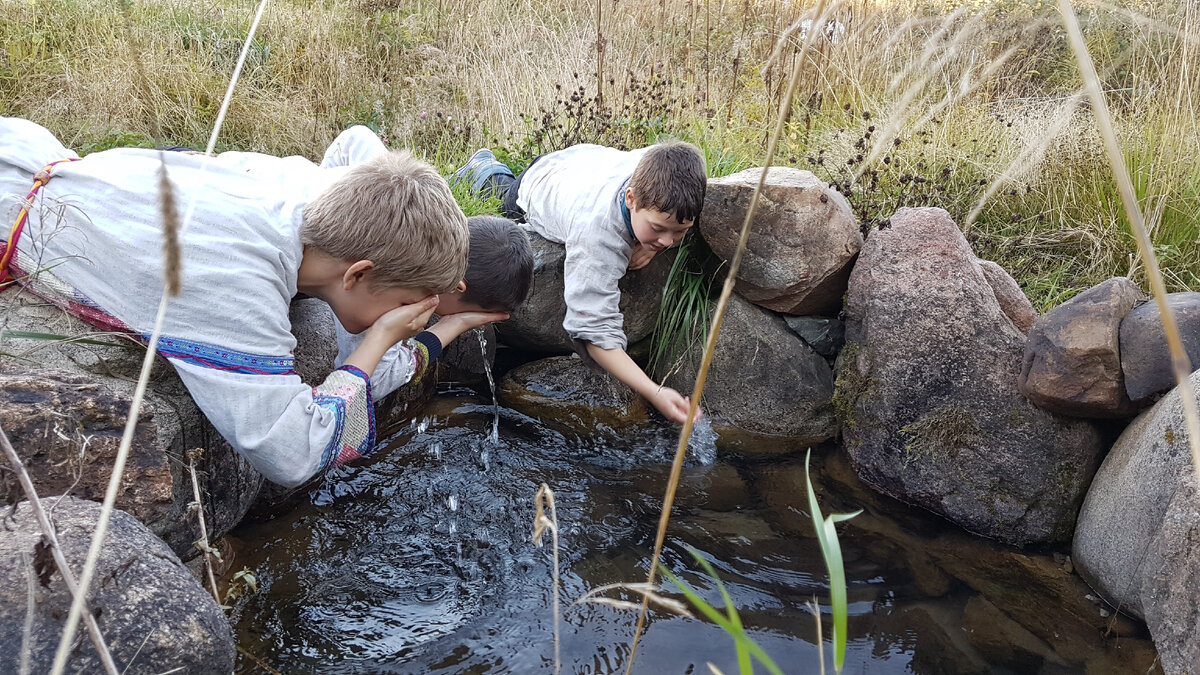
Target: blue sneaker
(482, 166)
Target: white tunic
(574, 197)
(93, 244)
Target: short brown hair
(671, 177)
(397, 212)
(500, 267)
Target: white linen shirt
(573, 197)
(93, 241)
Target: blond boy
(376, 241)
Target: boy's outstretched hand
(673, 405)
(452, 325)
(642, 255)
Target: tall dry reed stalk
(819, 15)
(114, 484)
(1180, 364)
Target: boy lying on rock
(613, 211)
(375, 234)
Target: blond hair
(397, 212)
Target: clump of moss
(944, 431)
(850, 386)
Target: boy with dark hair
(499, 269)
(613, 211)
(377, 242)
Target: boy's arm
(673, 405)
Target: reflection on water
(419, 561)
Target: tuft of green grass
(686, 308)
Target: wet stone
(565, 393)
(826, 336)
(154, 615)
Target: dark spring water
(419, 560)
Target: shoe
(482, 166)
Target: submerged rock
(154, 615)
(1144, 356)
(802, 242)
(1073, 357)
(1013, 301)
(764, 383)
(1118, 531)
(927, 391)
(566, 394)
(537, 323)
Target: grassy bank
(971, 106)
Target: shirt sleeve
(352, 147)
(591, 273)
(406, 361)
(286, 429)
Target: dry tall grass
(972, 105)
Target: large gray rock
(927, 390)
(1073, 357)
(1013, 301)
(154, 616)
(64, 406)
(764, 381)
(1144, 356)
(566, 394)
(537, 323)
(1170, 590)
(316, 339)
(802, 242)
(1128, 499)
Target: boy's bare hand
(405, 321)
(642, 255)
(673, 405)
(453, 325)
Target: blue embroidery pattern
(228, 360)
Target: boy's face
(358, 308)
(655, 230)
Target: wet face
(654, 229)
(358, 308)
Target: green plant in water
(831, 551)
(730, 622)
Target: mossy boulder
(927, 392)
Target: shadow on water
(419, 560)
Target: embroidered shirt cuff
(347, 393)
